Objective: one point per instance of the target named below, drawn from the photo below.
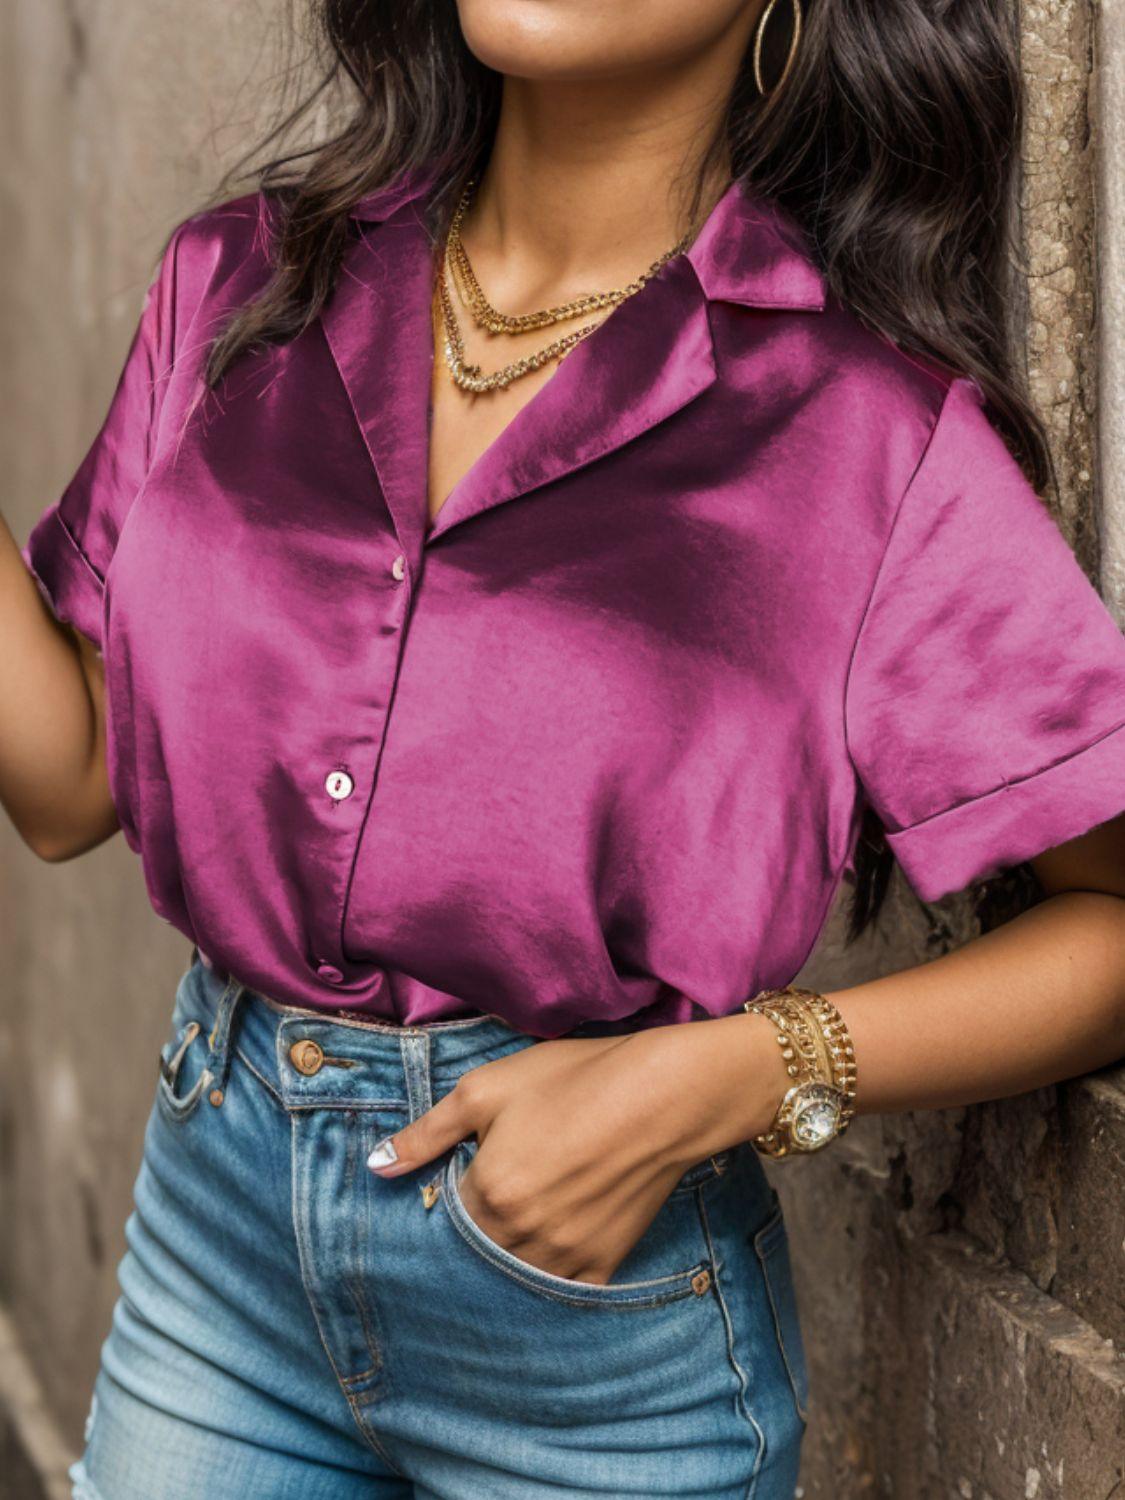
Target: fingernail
(382, 1155)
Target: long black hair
(893, 139)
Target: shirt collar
(751, 250)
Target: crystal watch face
(816, 1116)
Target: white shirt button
(339, 784)
(398, 568)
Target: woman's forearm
(1033, 1002)
(52, 773)
(582, 1138)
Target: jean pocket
(771, 1245)
(184, 1074)
(673, 1237)
(704, 1171)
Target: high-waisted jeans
(292, 1327)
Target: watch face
(816, 1117)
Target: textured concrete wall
(962, 1273)
(117, 118)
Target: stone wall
(962, 1273)
(1108, 107)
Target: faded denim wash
(291, 1327)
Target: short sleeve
(985, 699)
(72, 542)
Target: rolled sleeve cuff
(70, 585)
(1002, 828)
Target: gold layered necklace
(457, 267)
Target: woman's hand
(582, 1139)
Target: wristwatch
(819, 1057)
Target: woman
(499, 673)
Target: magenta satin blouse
(595, 745)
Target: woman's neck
(588, 183)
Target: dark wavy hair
(893, 140)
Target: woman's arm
(53, 782)
(1038, 1000)
(582, 1139)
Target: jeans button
(307, 1056)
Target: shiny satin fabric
(599, 754)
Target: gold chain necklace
(456, 262)
(472, 377)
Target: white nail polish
(383, 1154)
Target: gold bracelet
(841, 1053)
(820, 1058)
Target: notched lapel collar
(650, 357)
(377, 324)
(752, 251)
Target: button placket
(339, 782)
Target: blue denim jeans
(292, 1327)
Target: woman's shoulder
(221, 241)
(837, 367)
(216, 258)
(920, 415)
(867, 405)
(884, 374)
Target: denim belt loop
(221, 1037)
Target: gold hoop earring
(794, 43)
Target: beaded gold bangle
(819, 1057)
(841, 1053)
